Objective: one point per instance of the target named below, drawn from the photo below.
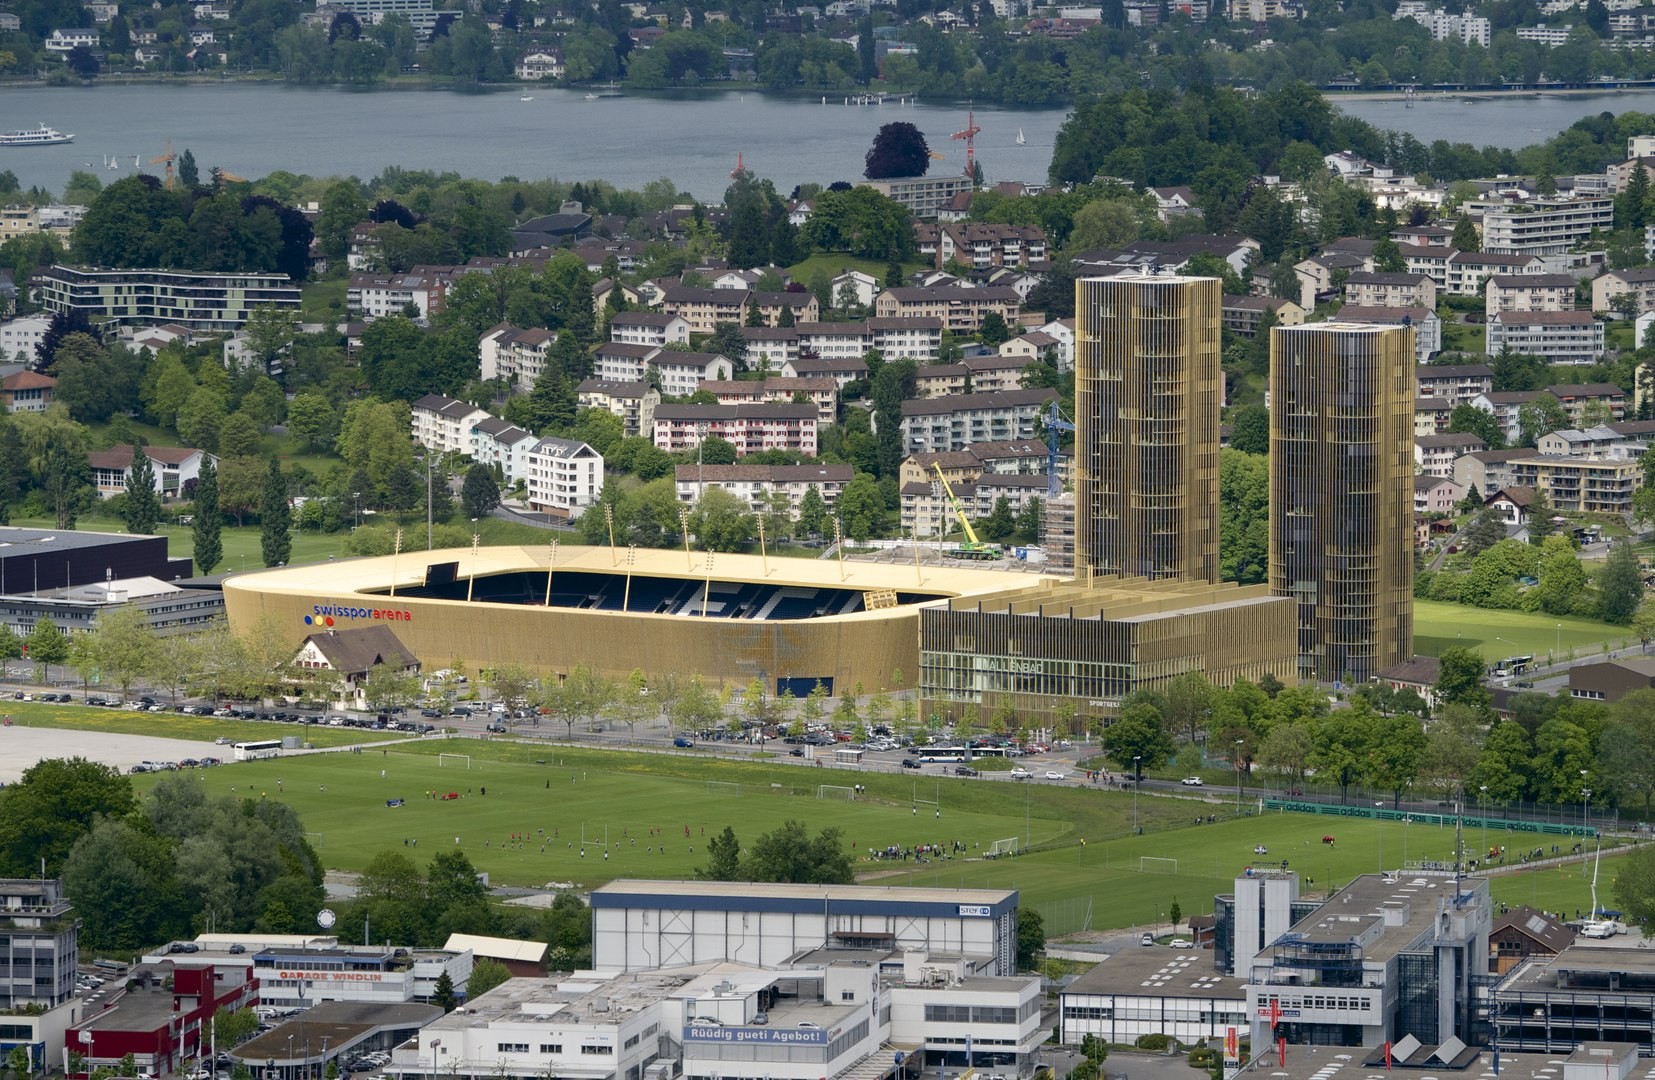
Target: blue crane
(1054, 424)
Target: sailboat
(110, 162)
(1020, 139)
(526, 97)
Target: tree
(51, 806)
(1620, 585)
(275, 517)
(442, 995)
(789, 854)
(480, 494)
(125, 646)
(1542, 416)
(47, 645)
(999, 523)
(1467, 419)
(899, 149)
(1465, 236)
(723, 857)
(208, 546)
(486, 974)
(1250, 429)
(1460, 678)
(1031, 936)
(721, 521)
(1138, 733)
(142, 512)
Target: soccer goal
(1150, 864)
(443, 760)
(831, 791)
(317, 839)
(723, 787)
(1007, 846)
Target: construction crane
(971, 547)
(971, 132)
(1054, 424)
(168, 158)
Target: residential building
(841, 370)
(1379, 961)
(1147, 388)
(750, 428)
(352, 655)
(1341, 487)
(954, 421)
(540, 65)
(174, 467)
(200, 300)
(1432, 415)
(907, 336)
(961, 310)
(1431, 261)
(1378, 289)
(1425, 323)
(758, 485)
(26, 391)
(678, 374)
(1018, 457)
(856, 286)
(1436, 495)
(634, 402)
(503, 445)
(1004, 370)
(941, 380)
(1455, 383)
(1529, 292)
(1318, 273)
(517, 356)
(1639, 283)
(1434, 455)
(444, 424)
(1469, 271)
(1547, 225)
(926, 510)
(649, 328)
(922, 196)
(819, 391)
(1488, 470)
(770, 348)
(1590, 403)
(1242, 314)
(1581, 485)
(1523, 932)
(1562, 337)
(1513, 504)
(981, 245)
(802, 306)
(1610, 680)
(65, 40)
(372, 295)
(20, 337)
(1505, 405)
(703, 309)
(571, 222)
(562, 477)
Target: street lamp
(1238, 776)
(1482, 810)
(1585, 818)
(1136, 781)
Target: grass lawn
(1439, 626)
(323, 301)
(170, 725)
(1463, 337)
(153, 434)
(1558, 888)
(835, 263)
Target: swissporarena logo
(325, 614)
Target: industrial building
(1591, 991)
(640, 925)
(1341, 494)
(40, 936)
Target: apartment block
(703, 309)
(757, 485)
(926, 510)
(1379, 289)
(1454, 383)
(444, 424)
(1528, 292)
(1434, 455)
(961, 309)
(1431, 416)
(1562, 337)
(1242, 314)
(1424, 322)
(1469, 271)
(1581, 485)
(649, 328)
(1639, 283)
(954, 421)
(562, 476)
(1544, 226)
(1590, 403)
(517, 356)
(751, 428)
(197, 299)
(820, 391)
(633, 402)
(503, 445)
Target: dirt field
(21, 747)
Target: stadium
(791, 623)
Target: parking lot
(21, 747)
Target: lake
(254, 129)
(251, 129)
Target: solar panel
(1536, 924)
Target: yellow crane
(971, 547)
(168, 158)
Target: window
(597, 1051)
(551, 1048)
(511, 1048)
(847, 995)
(630, 1043)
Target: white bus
(930, 755)
(255, 751)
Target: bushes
(1152, 1042)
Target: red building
(164, 1018)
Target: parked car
(964, 770)
(1192, 781)
(683, 743)
(910, 763)
(1147, 939)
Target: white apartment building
(517, 356)
(841, 370)
(703, 309)
(633, 402)
(953, 422)
(1471, 29)
(444, 424)
(756, 484)
(1434, 455)
(1562, 337)
(1549, 36)
(926, 510)
(497, 442)
(1638, 282)
(1543, 226)
(562, 476)
(770, 348)
(1454, 383)
(1469, 271)
(371, 296)
(1425, 323)
(750, 428)
(678, 374)
(1528, 292)
(819, 390)
(19, 337)
(649, 328)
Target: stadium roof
(498, 948)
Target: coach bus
(255, 751)
(1513, 665)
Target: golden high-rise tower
(1342, 493)
(1147, 393)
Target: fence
(1471, 821)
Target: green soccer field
(1498, 634)
(586, 818)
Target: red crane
(735, 174)
(971, 132)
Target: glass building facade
(1147, 393)
(1341, 493)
